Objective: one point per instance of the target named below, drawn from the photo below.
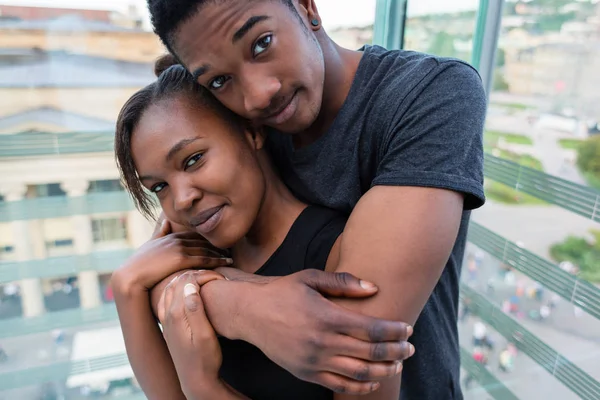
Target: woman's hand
(191, 338)
(164, 254)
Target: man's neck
(340, 68)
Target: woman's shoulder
(308, 243)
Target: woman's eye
(158, 187)
(262, 44)
(217, 83)
(192, 160)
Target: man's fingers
(364, 371)
(369, 329)
(336, 284)
(380, 351)
(342, 384)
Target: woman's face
(259, 58)
(205, 173)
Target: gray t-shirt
(410, 119)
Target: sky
(355, 12)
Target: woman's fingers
(196, 250)
(163, 230)
(200, 261)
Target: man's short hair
(168, 15)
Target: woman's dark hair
(173, 81)
(168, 15)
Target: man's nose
(258, 93)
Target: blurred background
(530, 298)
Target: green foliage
(499, 83)
(570, 144)
(588, 157)
(582, 252)
(492, 138)
(500, 58)
(442, 45)
(501, 193)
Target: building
(65, 220)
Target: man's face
(258, 58)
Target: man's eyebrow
(200, 71)
(178, 146)
(249, 24)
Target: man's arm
(401, 248)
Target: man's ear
(255, 135)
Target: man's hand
(305, 333)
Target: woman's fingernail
(189, 289)
(367, 285)
(409, 331)
(398, 367)
(229, 261)
(411, 350)
(375, 386)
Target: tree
(499, 83)
(581, 252)
(442, 45)
(588, 157)
(500, 58)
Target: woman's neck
(278, 211)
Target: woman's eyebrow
(179, 146)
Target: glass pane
(538, 241)
(66, 68)
(352, 28)
(443, 28)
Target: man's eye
(262, 44)
(193, 160)
(158, 187)
(217, 83)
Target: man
(392, 137)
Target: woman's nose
(185, 197)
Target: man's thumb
(339, 284)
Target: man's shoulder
(395, 76)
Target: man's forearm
(224, 302)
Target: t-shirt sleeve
(436, 137)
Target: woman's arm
(192, 340)
(148, 354)
(146, 349)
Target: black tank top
(245, 367)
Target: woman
(210, 173)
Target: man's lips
(277, 115)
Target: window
(47, 190)
(112, 185)
(109, 230)
(443, 28)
